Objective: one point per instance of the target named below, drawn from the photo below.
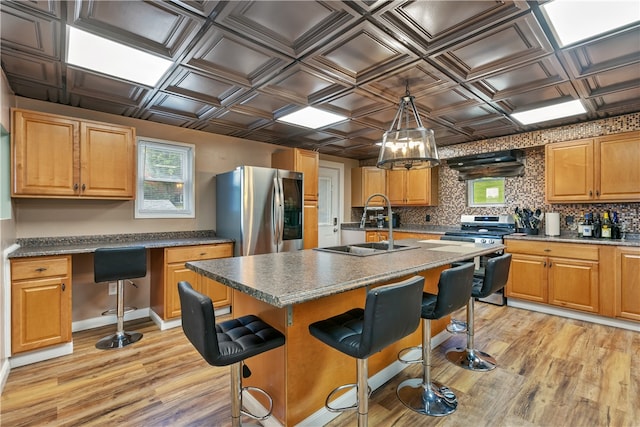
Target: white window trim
(189, 186)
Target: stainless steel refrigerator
(261, 209)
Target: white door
(329, 203)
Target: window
(485, 192)
(165, 179)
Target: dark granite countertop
(632, 240)
(287, 278)
(43, 246)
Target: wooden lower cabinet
(399, 235)
(168, 268)
(627, 283)
(40, 302)
(376, 236)
(564, 275)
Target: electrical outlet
(427, 217)
(113, 288)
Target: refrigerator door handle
(278, 216)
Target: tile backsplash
(523, 191)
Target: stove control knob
(483, 241)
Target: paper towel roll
(552, 224)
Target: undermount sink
(365, 249)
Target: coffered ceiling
(238, 66)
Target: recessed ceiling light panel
(574, 21)
(551, 112)
(108, 57)
(311, 117)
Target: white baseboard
(5, 368)
(40, 355)
(174, 323)
(96, 322)
(571, 314)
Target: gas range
(485, 229)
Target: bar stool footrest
(265, 394)
(457, 326)
(404, 351)
(114, 311)
(344, 408)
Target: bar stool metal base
(473, 360)
(118, 340)
(431, 399)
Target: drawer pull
(63, 287)
(203, 253)
(547, 250)
(41, 269)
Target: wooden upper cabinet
(591, 170)
(414, 187)
(569, 171)
(107, 156)
(44, 156)
(61, 157)
(299, 160)
(618, 171)
(365, 181)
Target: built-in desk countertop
(49, 246)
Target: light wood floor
(551, 372)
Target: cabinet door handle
(63, 287)
(41, 269)
(75, 187)
(590, 193)
(550, 264)
(597, 193)
(83, 187)
(544, 264)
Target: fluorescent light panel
(557, 111)
(311, 117)
(107, 57)
(574, 21)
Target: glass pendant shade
(411, 146)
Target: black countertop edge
(632, 240)
(47, 246)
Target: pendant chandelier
(407, 143)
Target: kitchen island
(293, 289)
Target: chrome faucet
(389, 221)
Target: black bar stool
(119, 264)
(421, 394)
(495, 278)
(227, 343)
(391, 312)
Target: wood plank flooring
(551, 371)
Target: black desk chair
(495, 278)
(391, 313)
(227, 343)
(119, 264)
(421, 394)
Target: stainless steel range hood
(485, 165)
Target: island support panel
(301, 374)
